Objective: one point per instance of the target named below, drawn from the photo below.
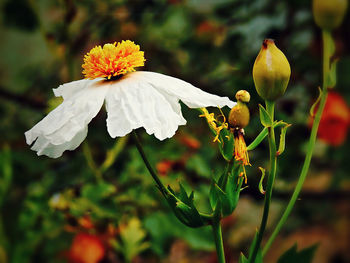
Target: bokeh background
(98, 201)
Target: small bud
(243, 95)
(329, 14)
(271, 71)
(239, 115)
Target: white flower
(137, 99)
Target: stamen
(112, 60)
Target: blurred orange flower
(164, 167)
(190, 141)
(334, 121)
(86, 248)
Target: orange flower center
(112, 60)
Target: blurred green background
(103, 188)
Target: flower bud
(239, 115)
(329, 14)
(243, 95)
(271, 71)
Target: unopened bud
(271, 71)
(243, 95)
(329, 14)
(239, 115)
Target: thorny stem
(218, 241)
(311, 145)
(273, 164)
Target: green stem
(311, 145)
(218, 241)
(148, 165)
(273, 165)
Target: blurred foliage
(211, 44)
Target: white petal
(68, 90)
(65, 127)
(132, 104)
(187, 93)
(44, 147)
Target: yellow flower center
(112, 60)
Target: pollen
(112, 60)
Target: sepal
(224, 196)
(226, 144)
(282, 143)
(183, 207)
(292, 255)
(265, 117)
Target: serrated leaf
(265, 118)
(183, 207)
(132, 238)
(183, 195)
(303, 256)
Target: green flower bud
(239, 115)
(271, 71)
(329, 14)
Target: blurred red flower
(334, 121)
(190, 141)
(164, 167)
(86, 248)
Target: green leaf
(183, 207)
(265, 118)
(132, 238)
(303, 256)
(281, 146)
(313, 107)
(213, 197)
(6, 172)
(98, 191)
(243, 259)
(332, 74)
(226, 144)
(258, 258)
(163, 228)
(261, 188)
